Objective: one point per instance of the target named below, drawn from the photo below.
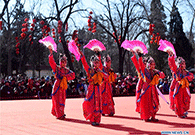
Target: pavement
(33, 117)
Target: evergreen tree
(178, 38)
(157, 17)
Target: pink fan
(94, 45)
(165, 46)
(135, 45)
(126, 45)
(49, 42)
(74, 49)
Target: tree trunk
(121, 60)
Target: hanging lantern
(32, 24)
(31, 29)
(34, 21)
(1, 24)
(66, 26)
(26, 19)
(42, 22)
(91, 12)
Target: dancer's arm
(70, 75)
(135, 62)
(84, 62)
(52, 61)
(171, 62)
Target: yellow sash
(184, 82)
(154, 80)
(97, 78)
(63, 83)
(111, 77)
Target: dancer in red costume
(62, 75)
(181, 96)
(92, 105)
(107, 96)
(140, 80)
(149, 100)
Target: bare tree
(124, 21)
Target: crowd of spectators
(22, 87)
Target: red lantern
(32, 24)
(151, 42)
(30, 39)
(34, 21)
(31, 29)
(1, 28)
(89, 24)
(60, 41)
(94, 27)
(93, 31)
(30, 36)
(90, 29)
(17, 52)
(23, 35)
(91, 12)
(54, 36)
(31, 43)
(157, 34)
(26, 19)
(153, 25)
(53, 33)
(66, 26)
(67, 41)
(42, 22)
(152, 38)
(90, 17)
(53, 29)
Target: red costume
(92, 105)
(139, 83)
(181, 95)
(149, 100)
(107, 98)
(59, 89)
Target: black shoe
(147, 120)
(111, 114)
(97, 123)
(93, 124)
(154, 120)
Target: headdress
(94, 58)
(179, 61)
(62, 57)
(149, 61)
(106, 58)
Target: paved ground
(32, 117)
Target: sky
(185, 12)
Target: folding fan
(94, 45)
(135, 45)
(74, 49)
(49, 42)
(165, 46)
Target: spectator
(6, 90)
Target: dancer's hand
(51, 51)
(81, 52)
(170, 52)
(133, 52)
